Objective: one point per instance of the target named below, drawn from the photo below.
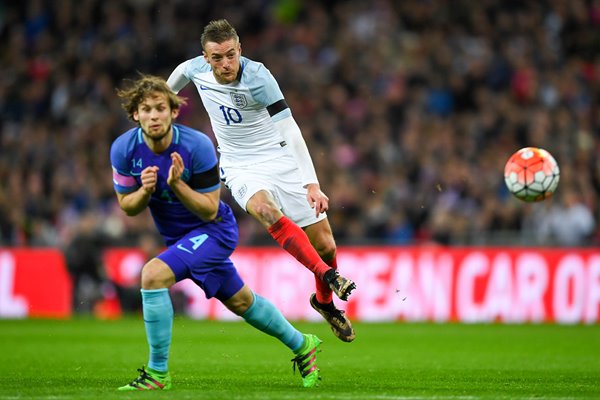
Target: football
(532, 174)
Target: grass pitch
(89, 359)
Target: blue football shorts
(203, 256)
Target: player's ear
(136, 116)
(174, 113)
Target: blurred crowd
(410, 110)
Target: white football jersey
(238, 111)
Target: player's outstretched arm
(177, 80)
(290, 131)
(293, 137)
(204, 205)
(135, 202)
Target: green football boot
(306, 361)
(149, 380)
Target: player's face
(224, 58)
(155, 116)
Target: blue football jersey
(129, 155)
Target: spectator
(83, 256)
(566, 222)
(423, 100)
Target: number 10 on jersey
(231, 115)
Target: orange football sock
(324, 293)
(294, 240)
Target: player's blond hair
(218, 31)
(146, 86)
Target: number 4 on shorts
(196, 242)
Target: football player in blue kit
(173, 170)
(265, 162)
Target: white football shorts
(280, 177)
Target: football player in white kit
(265, 162)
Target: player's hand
(149, 178)
(176, 169)
(316, 198)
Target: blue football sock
(158, 319)
(263, 315)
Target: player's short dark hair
(218, 31)
(146, 86)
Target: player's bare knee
(150, 279)
(240, 302)
(266, 212)
(240, 307)
(154, 277)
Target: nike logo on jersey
(202, 87)
(180, 247)
(135, 173)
